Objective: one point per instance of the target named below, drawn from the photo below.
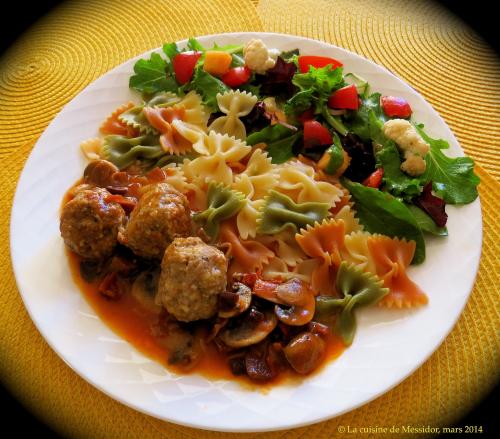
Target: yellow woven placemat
(433, 51)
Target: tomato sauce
(133, 322)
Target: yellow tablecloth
(419, 41)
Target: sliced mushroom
(255, 327)
(305, 352)
(300, 297)
(266, 289)
(234, 303)
(100, 173)
(185, 349)
(144, 290)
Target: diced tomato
(345, 98)
(236, 76)
(375, 178)
(184, 65)
(316, 134)
(394, 106)
(306, 115)
(305, 61)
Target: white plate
(389, 344)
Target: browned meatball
(89, 225)
(161, 215)
(192, 276)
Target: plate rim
(290, 425)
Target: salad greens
(387, 199)
(151, 77)
(425, 222)
(382, 213)
(208, 86)
(453, 179)
(279, 139)
(315, 87)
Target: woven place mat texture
(418, 40)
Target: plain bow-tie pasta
(234, 104)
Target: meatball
(161, 215)
(89, 225)
(192, 276)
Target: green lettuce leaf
(453, 179)
(361, 122)
(207, 86)
(425, 222)
(269, 134)
(382, 213)
(153, 75)
(279, 139)
(321, 82)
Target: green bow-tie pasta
(124, 151)
(280, 212)
(358, 289)
(222, 203)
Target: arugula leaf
(361, 122)
(453, 179)
(279, 139)
(425, 222)
(382, 213)
(207, 86)
(151, 76)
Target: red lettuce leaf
(432, 205)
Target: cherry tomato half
(375, 178)
(395, 107)
(184, 65)
(345, 98)
(316, 61)
(316, 134)
(236, 76)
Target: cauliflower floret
(258, 57)
(410, 143)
